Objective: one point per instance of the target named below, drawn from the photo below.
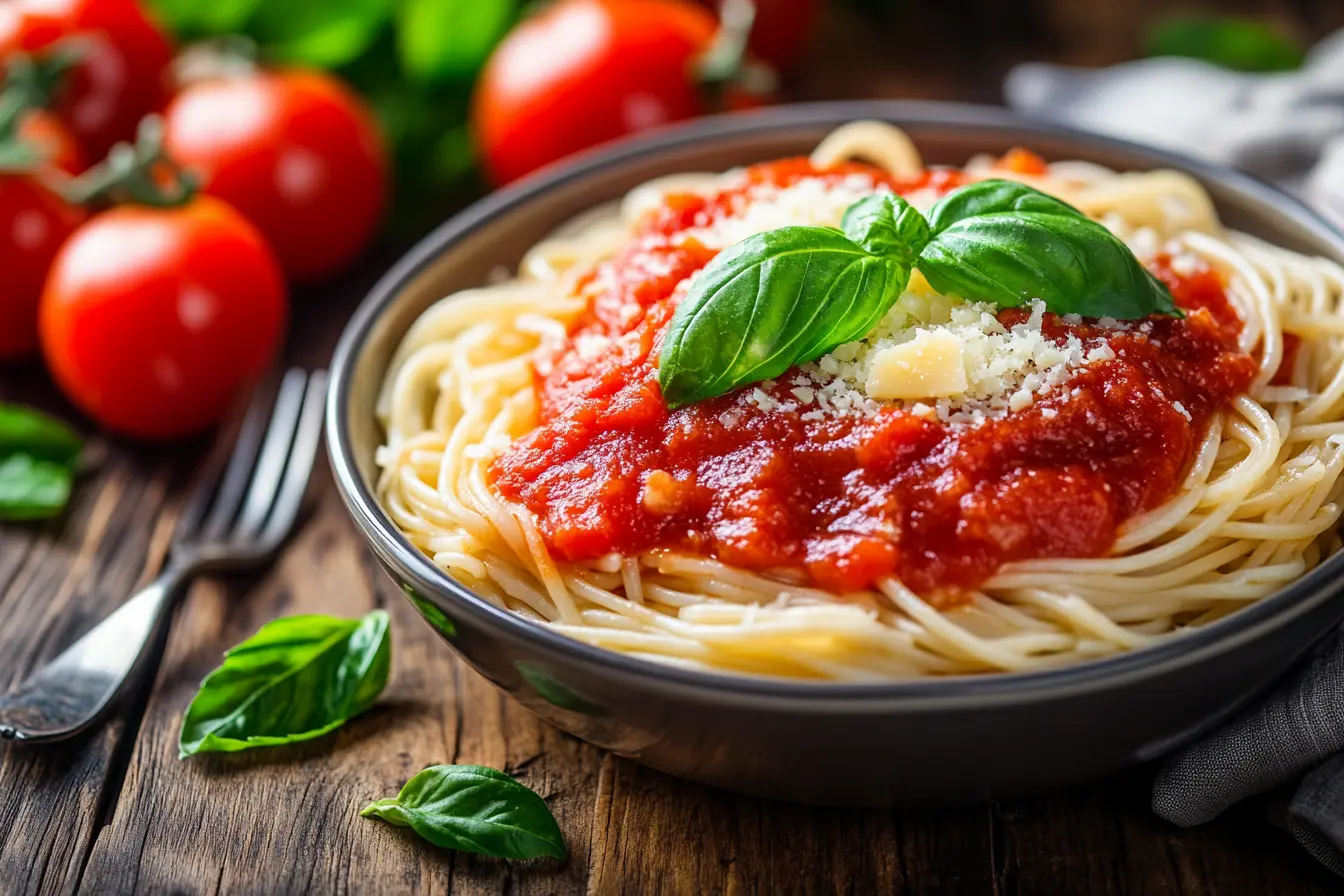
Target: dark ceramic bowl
(923, 741)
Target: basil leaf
(324, 33)
(295, 679)
(41, 435)
(472, 808)
(32, 488)
(1237, 44)
(189, 18)
(1004, 242)
(772, 301)
(994, 197)
(887, 225)
(1073, 264)
(439, 40)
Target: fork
(242, 508)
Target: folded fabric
(1297, 729)
(1287, 128)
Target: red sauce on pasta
(842, 501)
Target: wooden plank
(56, 580)
(1103, 838)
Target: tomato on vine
(35, 149)
(156, 313)
(296, 152)
(121, 74)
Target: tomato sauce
(842, 501)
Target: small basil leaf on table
(770, 302)
(1071, 263)
(472, 808)
(32, 488)
(32, 432)
(295, 679)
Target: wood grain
(118, 813)
(55, 582)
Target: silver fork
(241, 510)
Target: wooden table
(118, 813)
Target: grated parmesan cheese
(938, 356)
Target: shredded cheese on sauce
(935, 355)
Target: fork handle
(70, 693)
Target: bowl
(937, 740)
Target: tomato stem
(140, 173)
(29, 85)
(724, 62)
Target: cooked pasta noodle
(1257, 508)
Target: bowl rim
(953, 692)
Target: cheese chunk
(928, 366)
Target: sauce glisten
(843, 501)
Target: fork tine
(226, 468)
(301, 458)
(275, 449)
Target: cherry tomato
(153, 318)
(122, 75)
(34, 222)
(583, 72)
(296, 152)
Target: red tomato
(583, 72)
(153, 318)
(34, 222)
(120, 79)
(296, 152)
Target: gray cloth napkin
(1289, 129)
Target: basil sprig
(787, 296)
(773, 299)
(472, 808)
(37, 463)
(296, 679)
(1003, 242)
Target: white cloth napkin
(1289, 129)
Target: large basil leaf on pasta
(474, 809)
(994, 197)
(295, 679)
(770, 302)
(1003, 242)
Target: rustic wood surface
(116, 812)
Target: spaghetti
(1251, 505)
